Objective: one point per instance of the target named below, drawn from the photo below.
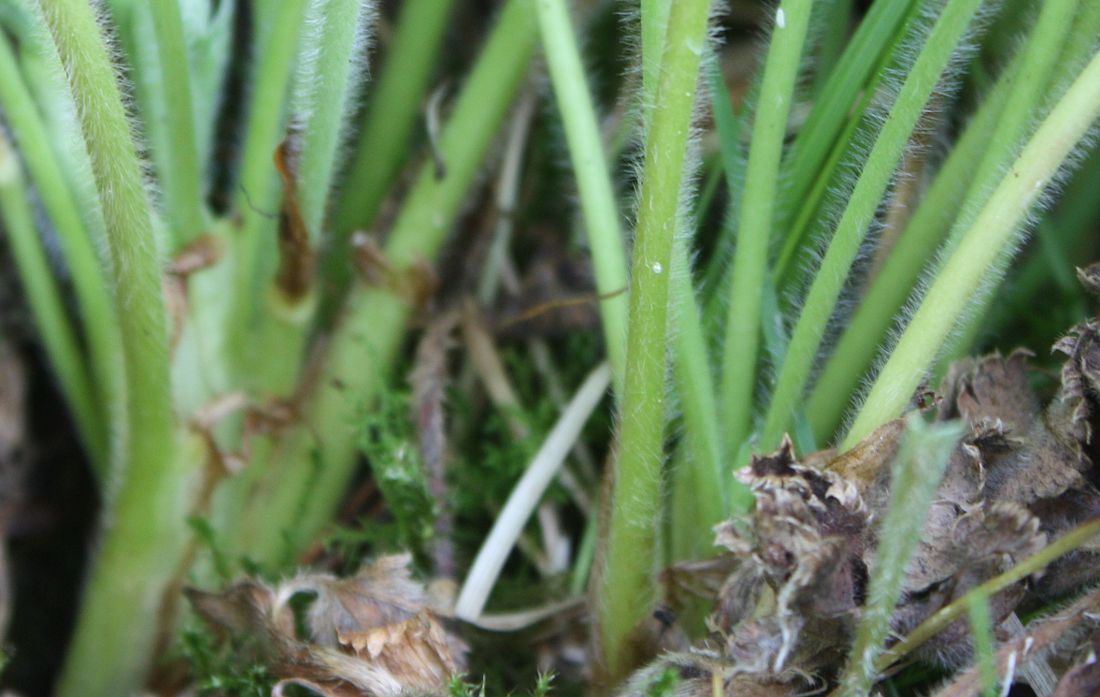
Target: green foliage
(664, 685)
(220, 672)
(389, 444)
(725, 339)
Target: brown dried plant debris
(294, 277)
(793, 581)
(378, 633)
(1084, 679)
(1041, 639)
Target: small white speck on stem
(780, 18)
(657, 268)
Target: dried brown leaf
(375, 633)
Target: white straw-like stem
(527, 493)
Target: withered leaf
(375, 633)
(801, 556)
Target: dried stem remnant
(296, 257)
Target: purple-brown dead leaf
(796, 568)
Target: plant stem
(326, 69)
(394, 103)
(526, 494)
(282, 520)
(93, 297)
(626, 589)
(654, 27)
(182, 177)
(945, 37)
(44, 297)
(862, 338)
(996, 129)
(598, 202)
(750, 260)
(142, 546)
(1078, 45)
(701, 494)
(832, 121)
(973, 263)
(831, 40)
(915, 477)
(258, 197)
(981, 635)
(328, 65)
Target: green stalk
(141, 547)
(327, 69)
(396, 99)
(598, 202)
(312, 480)
(1078, 45)
(981, 635)
(321, 98)
(258, 193)
(44, 297)
(862, 337)
(999, 125)
(915, 477)
(626, 589)
(182, 176)
(729, 127)
(973, 263)
(832, 120)
(89, 284)
(700, 497)
(700, 477)
(654, 26)
(945, 37)
(832, 39)
(750, 261)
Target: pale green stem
(862, 338)
(981, 635)
(750, 261)
(89, 279)
(327, 69)
(44, 297)
(700, 496)
(1080, 43)
(598, 202)
(945, 37)
(973, 263)
(322, 95)
(1000, 125)
(626, 587)
(141, 546)
(258, 195)
(654, 26)
(283, 519)
(701, 472)
(396, 98)
(858, 71)
(182, 177)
